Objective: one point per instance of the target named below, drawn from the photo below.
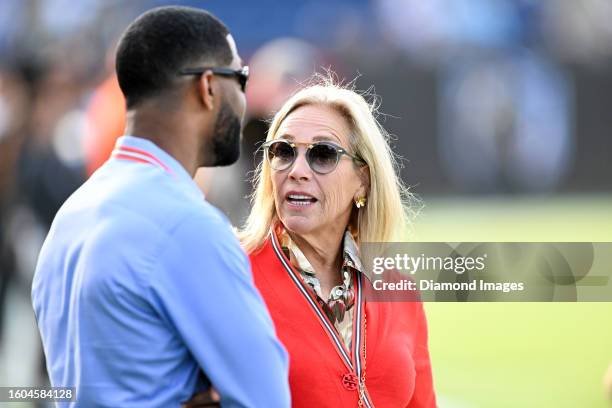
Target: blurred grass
(519, 354)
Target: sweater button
(350, 381)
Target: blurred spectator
(50, 163)
(277, 68)
(579, 30)
(106, 122)
(505, 124)
(13, 113)
(436, 30)
(504, 110)
(40, 165)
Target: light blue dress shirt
(141, 285)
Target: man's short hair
(162, 42)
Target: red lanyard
(355, 378)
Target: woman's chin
(299, 224)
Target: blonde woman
(326, 185)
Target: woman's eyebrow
(326, 138)
(318, 138)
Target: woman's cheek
(276, 192)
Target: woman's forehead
(314, 123)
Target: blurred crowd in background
(481, 96)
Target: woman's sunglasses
(322, 157)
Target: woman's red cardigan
(322, 371)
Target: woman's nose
(300, 170)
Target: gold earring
(360, 202)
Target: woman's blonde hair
(387, 211)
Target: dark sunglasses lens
(323, 158)
(280, 155)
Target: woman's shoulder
(265, 263)
(262, 253)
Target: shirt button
(350, 381)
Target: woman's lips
(300, 200)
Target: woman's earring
(360, 202)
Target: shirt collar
(157, 156)
(350, 253)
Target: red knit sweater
(322, 371)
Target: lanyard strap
(358, 329)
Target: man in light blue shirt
(142, 293)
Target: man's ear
(205, 88)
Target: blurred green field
(519, 354)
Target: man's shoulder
(119, 229)
(107, 215)
(145, 197)
(206, 225)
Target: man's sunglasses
(242, 74)
(322, 157)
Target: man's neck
(160, 129)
